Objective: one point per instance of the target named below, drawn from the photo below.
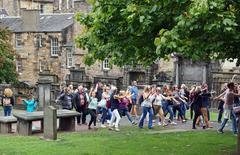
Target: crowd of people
(163, 105)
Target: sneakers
(134, 123)
(103, 126)
(117, 129)
(184, 121)
(220, 131)
(110, 128)
(165, 124)
(108, 122)
(159, 123)
(173, 123)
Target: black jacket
(77, 100)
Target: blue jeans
(146, 110)
(7, 110)
(234, 123)
(104, 115)
(168, 109)
(220, 113)
(109, 115)
(123, 112)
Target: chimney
(30, 19)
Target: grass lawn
(130, 141)
(213, 116)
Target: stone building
(42, 43)
(33, 44)
(13, 7)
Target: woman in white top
(157, 105)
(103, 104)
(147, 107)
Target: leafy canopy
(209, 29)
(7, 65)
(124, 30)
(139, 32)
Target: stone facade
(14, 6)
(33, 60)
(34, 44)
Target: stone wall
(28, 4)
(13, 6)
(32, 56)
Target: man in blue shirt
(134, 92)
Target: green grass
(130, 141)
(213, 116)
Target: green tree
(139, 32)
(124, 30)
(7, 65)
(209, 29)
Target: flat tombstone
(50, 123)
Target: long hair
(8, 92)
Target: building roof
(47, 22)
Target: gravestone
(44, 91)
(50, 123)
(238, 137)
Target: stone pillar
(50, 123)
(176, 61)
(44, 91)
(205, 74)
(238, 137)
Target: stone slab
(8, 119)
(35, 116)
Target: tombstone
(50, 123)
(44, 91)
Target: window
(69, 58)
(39, 41)
(60, 5)
(41, 8)
(41, 67)
(19, 65)
(106, 64)
(18, 40)
(67, 4)
(73, 3)
(54, 47)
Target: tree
(139, 32)
(7, 65)
(124, 30)
(209, 29)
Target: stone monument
(50, 123)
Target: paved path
(180, 127)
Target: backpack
(6, 101)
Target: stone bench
(6, 124)
(25, 119)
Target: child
(30, 103)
